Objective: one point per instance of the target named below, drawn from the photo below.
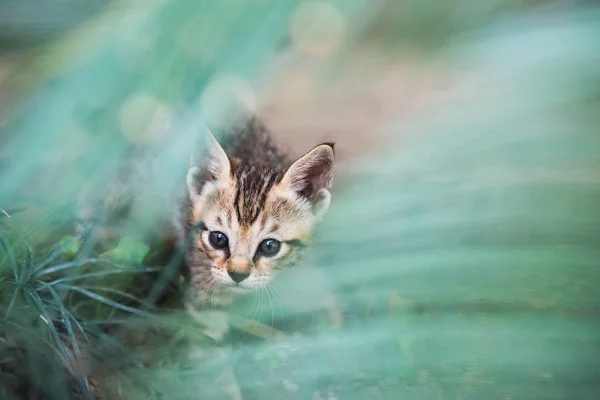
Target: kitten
(250, 211)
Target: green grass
(51, 302)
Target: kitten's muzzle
(238, 268)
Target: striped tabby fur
(263, 204)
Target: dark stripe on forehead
(228, 213)
(253, 183)
(263, 221)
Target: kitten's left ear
(311, 177)
(217, 167)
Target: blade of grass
(27, 268)
(7, 249)
(46, 219)
(23, 271)
(99, 274)
(104, 300)
(9, 212)
(71, 264)
(168, 271)
(96, 261)
(255, 328)
(108, 322)
(60, 250)
(62, 355)
(74, 320)
(66, 321)
(68, 361)
(107, 290)
(33, 332)
(12, 303)
(119, 292)
(37, 304)
(64, 317)
(91, 328)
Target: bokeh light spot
(227, 96)
(317, 28)
(144, 119)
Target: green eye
(269, 247)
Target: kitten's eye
(269, 247)
(218, 240)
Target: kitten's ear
(217, 162)
(216, 167)
(194, 182)
(311, 177)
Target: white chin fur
(239, 289)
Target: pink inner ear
(314, 174)
(213, 167)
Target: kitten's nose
(238, 276)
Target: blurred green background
(459, 259)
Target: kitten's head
(254, 219)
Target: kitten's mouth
(237, 289)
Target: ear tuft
(312, 173)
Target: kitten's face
(255, 219)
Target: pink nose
(239, 269)
(239, 263)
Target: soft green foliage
(50, 305)
(71, 245)
(129, 249)
(460, 262)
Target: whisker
(211, 292)
(206, 295)
(260, 297)
(276, 299)
(254, 303)
(271, 303)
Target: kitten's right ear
(217, 168)
(311, 176)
